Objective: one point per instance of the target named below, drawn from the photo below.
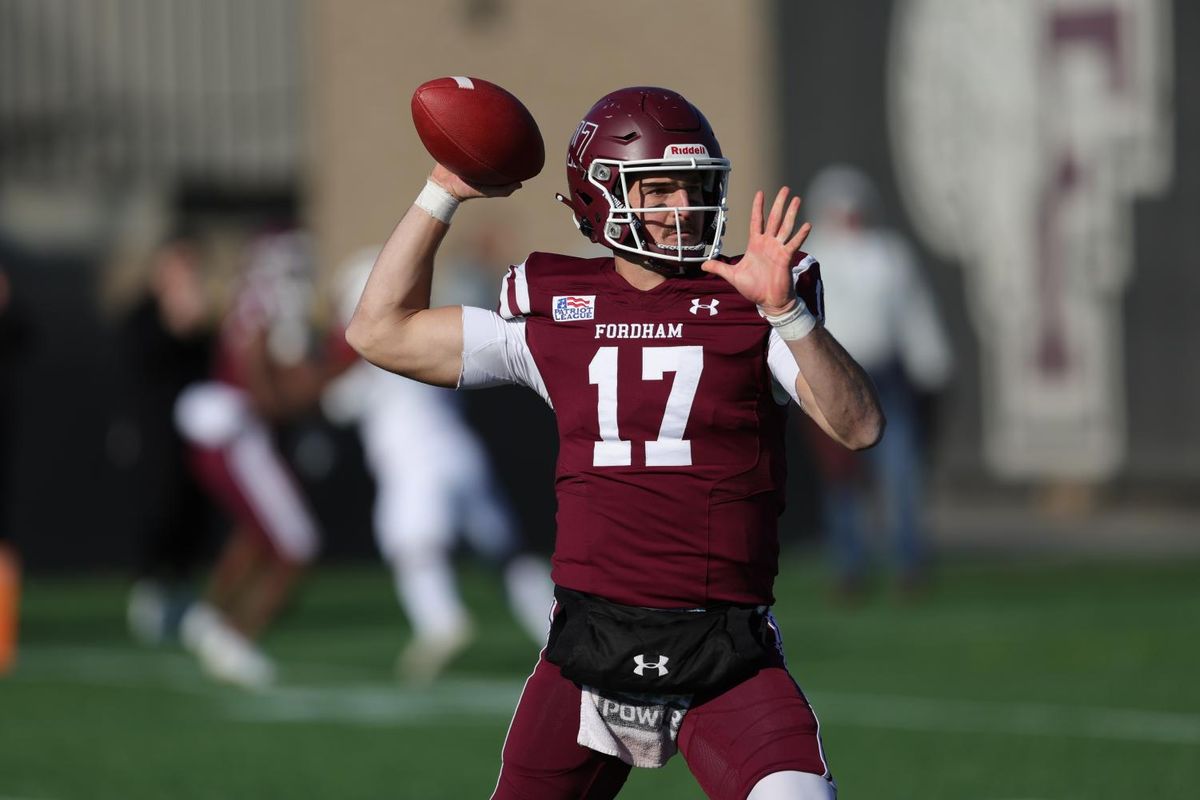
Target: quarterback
(668, 366)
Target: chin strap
(669, 269)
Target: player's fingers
(756, 211)
(789, 220)
(481, 190)
(500, 191)
(794, 243)
(776, 217)
(452, 183)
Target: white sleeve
(514, 292)
(784, 368)
(495, 353)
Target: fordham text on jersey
(639, 330)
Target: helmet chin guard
(627, 135)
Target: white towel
(639, 729)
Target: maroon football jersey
(247, 318)
(670, 470)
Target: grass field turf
(1006, 682)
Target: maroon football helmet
(628, 133)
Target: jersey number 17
(670, 449)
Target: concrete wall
(367, 163)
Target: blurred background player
(433, 480)
(164, 342)
(881, 309)
(266, 371)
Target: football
(478, 131)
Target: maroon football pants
(730, 741)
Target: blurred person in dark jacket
(882, 310)
(164, 342)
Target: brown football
(478, 131)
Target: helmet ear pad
(602, 228)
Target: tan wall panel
(367, 163)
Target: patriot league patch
(568, 308)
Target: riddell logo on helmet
(685, 151)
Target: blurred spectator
(880, 308)
(433, 480)
(12, 333)
(268, 369)
(164, 342)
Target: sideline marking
(1039, 719)
(355, 700)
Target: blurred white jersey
(432, 474)
(433, 482)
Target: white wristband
(436, 202)
(794, 324)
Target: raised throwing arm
(393, 326)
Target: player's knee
(792, 785)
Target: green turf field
(1005, 682)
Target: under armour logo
(711, 308)
(642, 666)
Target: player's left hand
(764, 275)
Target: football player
(666, 365)
(265, 372)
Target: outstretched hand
(764, 274)
(461, 190)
